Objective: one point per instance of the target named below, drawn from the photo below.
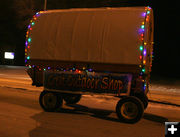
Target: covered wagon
(92, 51)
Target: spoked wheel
(50, 101)
(130, 109)
(72, 98)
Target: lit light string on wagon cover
(143, 49)
(28, 46)
(29, 39)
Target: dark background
(16, 14)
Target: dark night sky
(166, 45)
(166, 35)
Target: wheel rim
(49, 100)
(129, 110)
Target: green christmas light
(141, 48)
(29, 39)
(28, 57)
(32, 23)
(143, 70)
(142, 26)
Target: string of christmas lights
(143, 47)
(28, 45)
(28, 38)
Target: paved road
(93, 116)
(21, 116)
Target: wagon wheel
(72, 98)
(50, 101)
(130, 109)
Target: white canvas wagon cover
(101, 35)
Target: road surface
(93, 116)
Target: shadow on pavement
(103, 114)
(93, 111)
(71, 116)
(77, 117)
(97, 113)
(155, 118)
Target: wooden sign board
(91, 82)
